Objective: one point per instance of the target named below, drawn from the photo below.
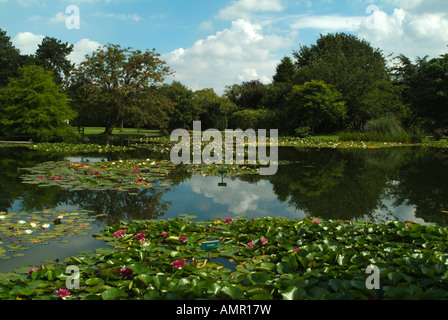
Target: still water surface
(376, 185)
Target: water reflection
(377, 185)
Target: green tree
(316, 105)
(185, 108)
(285, 73)
(248, 95)
(215, 110)
(120, 83)
(10, 59)
(357, 70)
(425, 90)
(34, 107)
(52, 55)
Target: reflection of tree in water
(332, 184)
(12, 162)
(120, 206)
(423, 183)
(337, 184)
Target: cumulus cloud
(81, 49)
(239, 52)
(326, 23)
(407, 32)
(27, 42)
(242, 198)
(245, 8)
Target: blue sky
(214, 43)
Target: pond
(404, 184)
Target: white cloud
(59, 17)
(407, 32)
(326, 23)
(81, 49)
(242, 198)
(236, 53)
(244, 8)
(27, 42)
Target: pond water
(374, 184)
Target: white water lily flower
(60, 217)
(21, 222)
(33, 225)
(2, 217)
(45, 226)
(28, 231)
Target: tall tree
(285, 73)
(185, 108)
(52, 55)
(353, 66)
(119, 83)
(316, 105)
(34, 107)
(10, 59)
(425, 90)
(215, 110)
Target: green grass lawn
(93, 131)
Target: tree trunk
(109, 129)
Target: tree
(52, 55)
(425, 90)
(10, 59)
(119, 84)
(185, 108)
(34, 107)
(215, 110)
(317, 105)
(248, 95)
(357, 70)
(285, 73)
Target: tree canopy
(353, 66)
(34, 107)
(121, 83)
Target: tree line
(340, 83)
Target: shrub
(387, 126)
(384, 130)
(252, 119)
(303, 132)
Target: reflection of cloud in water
(242, 198)
(391, 212)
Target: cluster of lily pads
(122, 175)
(20, 231)
(114, 175)
(76, 148)
(267, 258)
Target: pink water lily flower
(140, 236)
(31, 270)
(316, 220)
(263, 240)
(228, 220)
(165, 234)
(63, 293)
(250, 244)
(119, 233)
(179, 264)
(126, 272)
(183, 238)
